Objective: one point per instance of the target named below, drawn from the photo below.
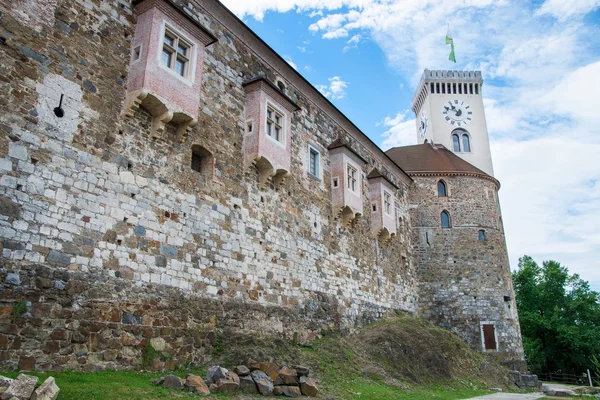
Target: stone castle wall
(462, 280)
(112, 241)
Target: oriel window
(352, 173)
(176, 53)
(274, 124)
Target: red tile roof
(432, 159)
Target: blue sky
(541, 65)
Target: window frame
(454, 149)
(355, 178)
(282, 125)
(249, 124)
(189, 76)
(445, 212)
(468, 137)
(136, 53)
(387, 202)
(317, 173)
(445, 185)
(481, 235)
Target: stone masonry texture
(111, 241)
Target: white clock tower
(449, 110)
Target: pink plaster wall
(180, 94)
(342, 196)
(258, 143)
(379, 218)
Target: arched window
(456, 143)
(442, 192)
(445, 219)
(281, 86)
(466, 143)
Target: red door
(489, 337)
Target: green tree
(559, 316)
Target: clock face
(457, 113)
(423, 124)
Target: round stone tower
(459, 250)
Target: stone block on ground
(247, 384)
(291, 391)
(215, 373)
(302, 371)
(268, 368)
(264, 383)
(21, 388)
(232, 377)
(308, 386)
(224, 385)
(289, 376)
(197, 385)
(173, 382)
(47, 390)
(5, 382)
(242, 370)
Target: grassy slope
(398, 358)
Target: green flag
(450, 41)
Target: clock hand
(458, 112)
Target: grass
(400, 358)
(127, 385)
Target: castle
(166, 178)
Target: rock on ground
(308, 386)
(264, 383)
(5, 382)
(242, 370)
(47, 390)
(21, 388)
(224, 386)
(215, 373)
(268, 368)
(173, 382)
(247, 384)
(289, 376)
(197, 385)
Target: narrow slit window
(481, 235)
(249, 127)
(137, 52)
(374, 207)
(313, 162)
(477, 88)
(336, 182)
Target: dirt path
(510, 396)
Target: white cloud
(564, 9)
(335, 90)
(352, 43)
(541, 70)
(289, 60)
(401, 130)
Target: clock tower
(448, 106)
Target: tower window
(432, 87)
(456, 143)
(460, 88)
(441, 186)
(476, 88)
(445, 219)
(481, 235)
(466, 143)
(443, 88)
